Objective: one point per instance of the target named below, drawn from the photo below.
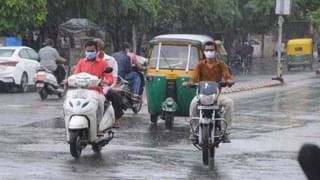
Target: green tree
(125, 20)
(21, 16)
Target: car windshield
(6, 52)
(174, 57)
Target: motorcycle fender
(78, 122)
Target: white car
(18, 66)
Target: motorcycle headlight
(207, 99)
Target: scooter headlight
(207, 99)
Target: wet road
(269, 127)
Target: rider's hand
(230, 82)
(65, 81)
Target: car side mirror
(108, 69)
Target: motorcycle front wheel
(205, 144)
(75, 144)
(137, 107)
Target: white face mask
(210, 54)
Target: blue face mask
(91, 55)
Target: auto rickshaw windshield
(165, 56)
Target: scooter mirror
(108, 69)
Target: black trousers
(60, 73)
(115, 99)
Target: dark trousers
(115, 99)
(60, 73)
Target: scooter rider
(49, 57)
(212, 69)
(94, 65)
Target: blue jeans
(134, 78)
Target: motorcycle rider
(94, 65)
(211, 69)
(125, 69)
(111, 95)
(49, 57)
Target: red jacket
(94, 68)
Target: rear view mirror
(108, 69)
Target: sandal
(116, 124)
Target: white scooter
(80, 111)
(46, 84)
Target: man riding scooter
(94, 65)
(212, 69)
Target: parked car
(18, 65)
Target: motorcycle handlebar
(221, 84)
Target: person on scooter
(94, 65)
(111, 95)
(125, 69)
(212, 69)
(49, 59)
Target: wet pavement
(269, 126)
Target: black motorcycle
(212, 126)
(123, 88)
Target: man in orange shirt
(94, 65)
(212, 69)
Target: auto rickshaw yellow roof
(300, 41)
(196, 38)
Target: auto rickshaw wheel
(169, 118)
(153, 118)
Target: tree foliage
(133, 20)
(19, 16)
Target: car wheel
(24, 83)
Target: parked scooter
(80, 111)
(212, 126)
(128, 100)
(46, 84)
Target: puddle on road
(57, 122)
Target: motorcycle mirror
(108, 69)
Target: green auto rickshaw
(300, 53)
(171, 61)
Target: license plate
(208, 107)
(40, 85)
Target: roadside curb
(246, 87)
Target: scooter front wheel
(75, 144)
(43, 93)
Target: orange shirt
(94, 68)
(218, 71)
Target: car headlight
(207, 99)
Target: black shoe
(193, 137)
(226, 138)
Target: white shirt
(112, 63)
